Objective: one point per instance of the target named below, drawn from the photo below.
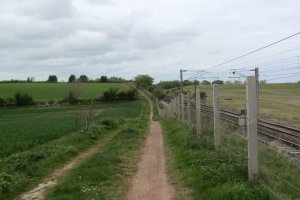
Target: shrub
(113, 94)
(71, 98)
(110, 95)
(203, 95)
(3, 102)
(131, 94)
(23, 99)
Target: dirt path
(38, 192)
(151, 180)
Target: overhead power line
(251, 52)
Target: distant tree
(237, 82)
(52, 79)
(169, 84)
(103, 79)
(115, 79)
(220, 82)
(30, 79)
(188, 82)
(83, 79)
(143, 81)
(72, 78)
(265, 81)
(205, 82)
(196, 82)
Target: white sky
(155, 37)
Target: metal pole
(252, 127)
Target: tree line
(72, 79)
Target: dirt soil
(151, 180)
(38, 192)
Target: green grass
(207, 173)
(24, 128)
(210, 174)
(22, 170)
(104, 175)
(55, 91)
(280, 102)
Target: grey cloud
(130, 37)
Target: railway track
(287, 138)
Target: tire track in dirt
(38, 193)
(151, 180)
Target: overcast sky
(155, 37)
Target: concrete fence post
(182, 107)
(252, 127)
(217, 117)
(178, 108)
(198, 112)
(174, 107)
(189, 111)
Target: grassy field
(56, 91)
(280, 102)
(203, 173)
(38, 140)
(24, 128)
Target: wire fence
(278, 174)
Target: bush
(23, 99)
(132, 94)
(3, 102)
(71, 98)
(113, 94)
(110, 95)
(203, 95)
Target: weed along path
(38, 192)
(151, 180)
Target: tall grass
(207, 173)
(223, 174)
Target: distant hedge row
(110, 95)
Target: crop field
(280, 102)
(56, 91)
(36, 140)
(24, 128)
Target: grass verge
(207, 173)
(104, 175)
